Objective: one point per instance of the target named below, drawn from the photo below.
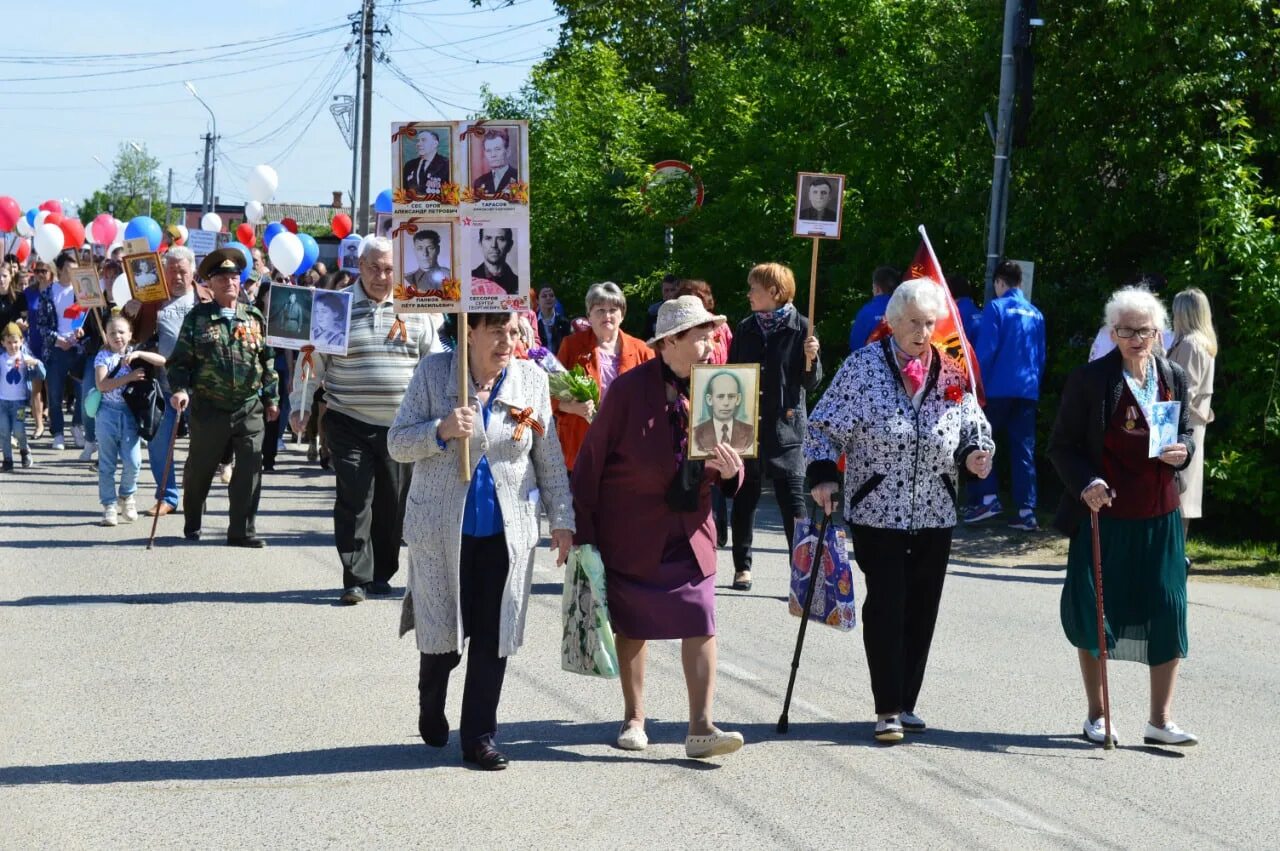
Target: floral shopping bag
(587, 646)
(833, 602)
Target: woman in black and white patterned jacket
(900, 412)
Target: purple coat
(621, 476)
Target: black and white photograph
(84, 281)
(429, 263)
(383, 226)
(289, 316)
(424, 151)
(349, 254)
(495, 159)
(818, 208)
(724, 402)
(330, 321)
(495, 269)
(146, 277)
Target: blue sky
(264, 94)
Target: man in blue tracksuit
(884, 281)
(1010, 351)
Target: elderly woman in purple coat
(647, 508)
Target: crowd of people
(900, 443)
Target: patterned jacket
(224, 363)
(902, 464)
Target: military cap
(221, 262)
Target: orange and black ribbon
(476, 129)
(308, 362)
(525, 418)
(398, 331)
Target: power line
(97, 58)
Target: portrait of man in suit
(431, 273)
(819, 204)
(425, 173)
(722, 416)
(496, 146)
(495, 245)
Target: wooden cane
(168, 465)
(813, 292)
(1109, 742)
(464, 397)
(814, 569)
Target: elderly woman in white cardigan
(471, 544)
(901, 413)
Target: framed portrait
(495, 270)
(422, 162)
(289, 316)
(145, 274)
(349, 254)
(498, 162)
(724, 403)
(427, 278)
(88, 291)
(383, 225)
(819, 205)
(330, 321)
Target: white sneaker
(77, 434)
(889, 729)
(716, 743)
(912, 722)
(1169, 734)
(632, 739)
(128, 509)
(224, 473)
(59, 443)
(109, 515)
(86, 454)
(1095, 731)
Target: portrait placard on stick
(330, 321)
(423, 161)
(819, 205)
(146, 277)
(497, 165)
(88, 290)
(495, 269)
(426, 277)
(724, 402)
(289, 316)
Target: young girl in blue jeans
(113, 369)
(17, 369)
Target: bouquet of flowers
(544, 358)
(574, 386)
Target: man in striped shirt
(363, 390)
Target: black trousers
(788, 489)
(212, 430)
(368, 513)
(482, 571)
(904, 574)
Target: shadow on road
(1006, 577)
(314, 597)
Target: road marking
(1016, 815)
(731, 670)
(809, 709)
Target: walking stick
(1108, 743)
(168, 465)
(814, 570)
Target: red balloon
(23, 250)
(53, 219)
(73, 231)
(164, 246)
(341, 223)
(52, 206)
(245, 234)
(290, 225)
(10, 212)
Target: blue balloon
(248, 259)
(383, 202)
(310, 252)
(31, 216)
(146, 228)
(269, 233)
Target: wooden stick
(813, 293)
(464, 397)
(168, 465)
(1108, 741)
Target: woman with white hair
(605, 351)
(1194, 348)
(1100, 449)
(900, 411)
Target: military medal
(1131, 419)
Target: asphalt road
(199, 696)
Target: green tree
(133, 188)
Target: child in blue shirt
(17, 369)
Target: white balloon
(184, 233)
(49, 241)
(254, 212)
(211, 221)
(263, 182)
(41, 215)
(120, 292)
(24, 227)
(286, 252)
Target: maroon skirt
(673, 601)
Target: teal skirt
(1144, 590)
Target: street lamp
(210, 152)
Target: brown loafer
(742, 580)
(160, 509)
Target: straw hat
(681, 314)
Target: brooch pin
(525, 418)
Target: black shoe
(485, 757)
(380, 588)
(354, 595)
(248, 542)
(326, 461)
(7, 466)
(191, 534)
(268, 468)
(434, 733)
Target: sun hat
(681, 314)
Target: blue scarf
(772, 320)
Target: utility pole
(365, 111)
(206, 183)
(1004, 146)
(168, 199)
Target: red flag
(948, 334)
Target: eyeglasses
(1126, 333)
(39, 271)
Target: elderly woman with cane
(1100, 448)
(471, 544)
(900, 411)
(647, 508)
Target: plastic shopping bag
(833, 602)
(587, 646)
